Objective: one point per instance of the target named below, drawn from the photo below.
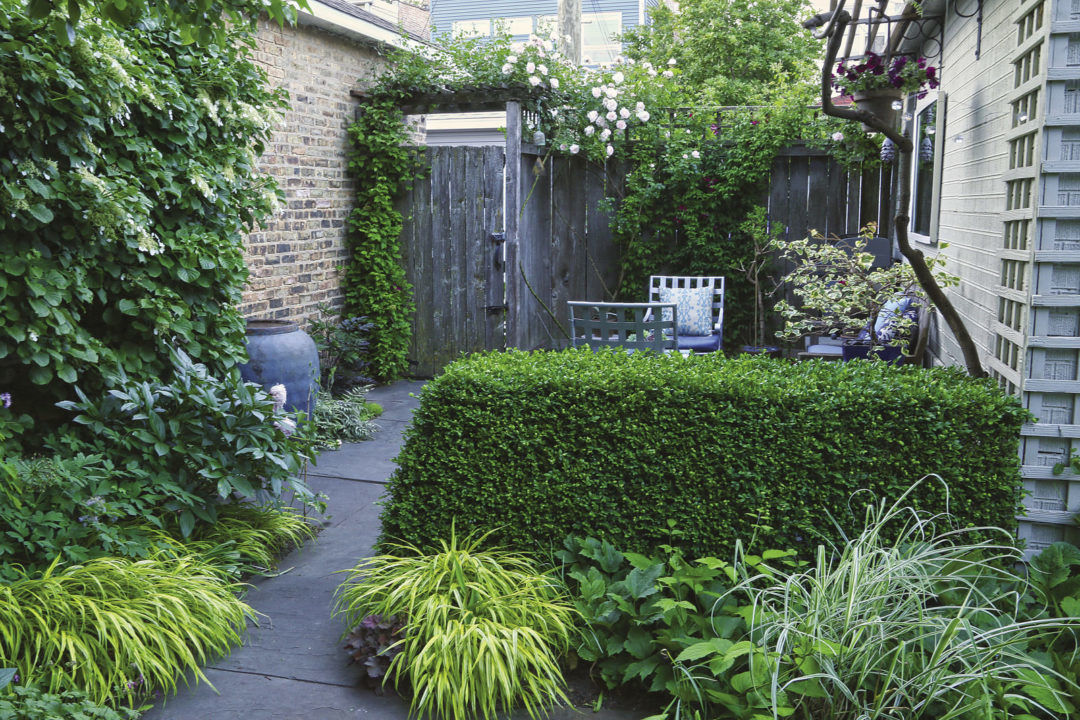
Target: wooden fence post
(515, 324)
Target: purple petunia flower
(5, 398)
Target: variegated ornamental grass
(116, 627)
(484, 628)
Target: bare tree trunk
(905, 147)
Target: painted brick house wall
(294, 258)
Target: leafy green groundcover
(547, 444)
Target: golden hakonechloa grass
(115, 627)
(484, 628)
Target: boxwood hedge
(643, 450)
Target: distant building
(601, 20)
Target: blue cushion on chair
(700, 343)
(695, 309)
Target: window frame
(915, 106)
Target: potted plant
(843, 295)
(877, 84)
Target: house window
(516, 26)
(472, 28)
(925, 179)
(597, 32)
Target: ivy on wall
(127, 180)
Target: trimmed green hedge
(547, 444)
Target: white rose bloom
(511, 59)
(534, 80)
(507, 69)
(563, 147)
(593, 115)
(610, 104)
(643, 116)
(652, 72)
(611, 115)
(554, 82)
(589, 130)
(668, 74)
(610, 151)
(695, 154)
(647, 65)
(574, 149)
(601, 122)
(671, 62)
(624, 113)
(611, 92)
(530, 66)
(837, 136)
(640, 106)
(685, 156)
(605, 135)
(542, 69)
(621, 125)
(618, 77)
(597, 92)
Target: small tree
(759, 260)
(841, 291)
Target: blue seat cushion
(700, 343)
(825, 350)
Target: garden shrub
(74, 508)
(538, 446)
(192, 441)
(127, 181)
(28, 702)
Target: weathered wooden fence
(453, 257)
(811, 191)
(494, 250)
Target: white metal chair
(661, 288)
(631, 326)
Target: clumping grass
(923, 626)
(246, 539)
(345, 418)
(115, 628)
(484, 629)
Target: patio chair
(701, 309)
(631, 326)
(884, 325)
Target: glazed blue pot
(280, 352)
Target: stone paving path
(291, 666)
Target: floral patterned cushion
(695, 309)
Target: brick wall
(295, 257)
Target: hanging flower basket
(879, 102)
